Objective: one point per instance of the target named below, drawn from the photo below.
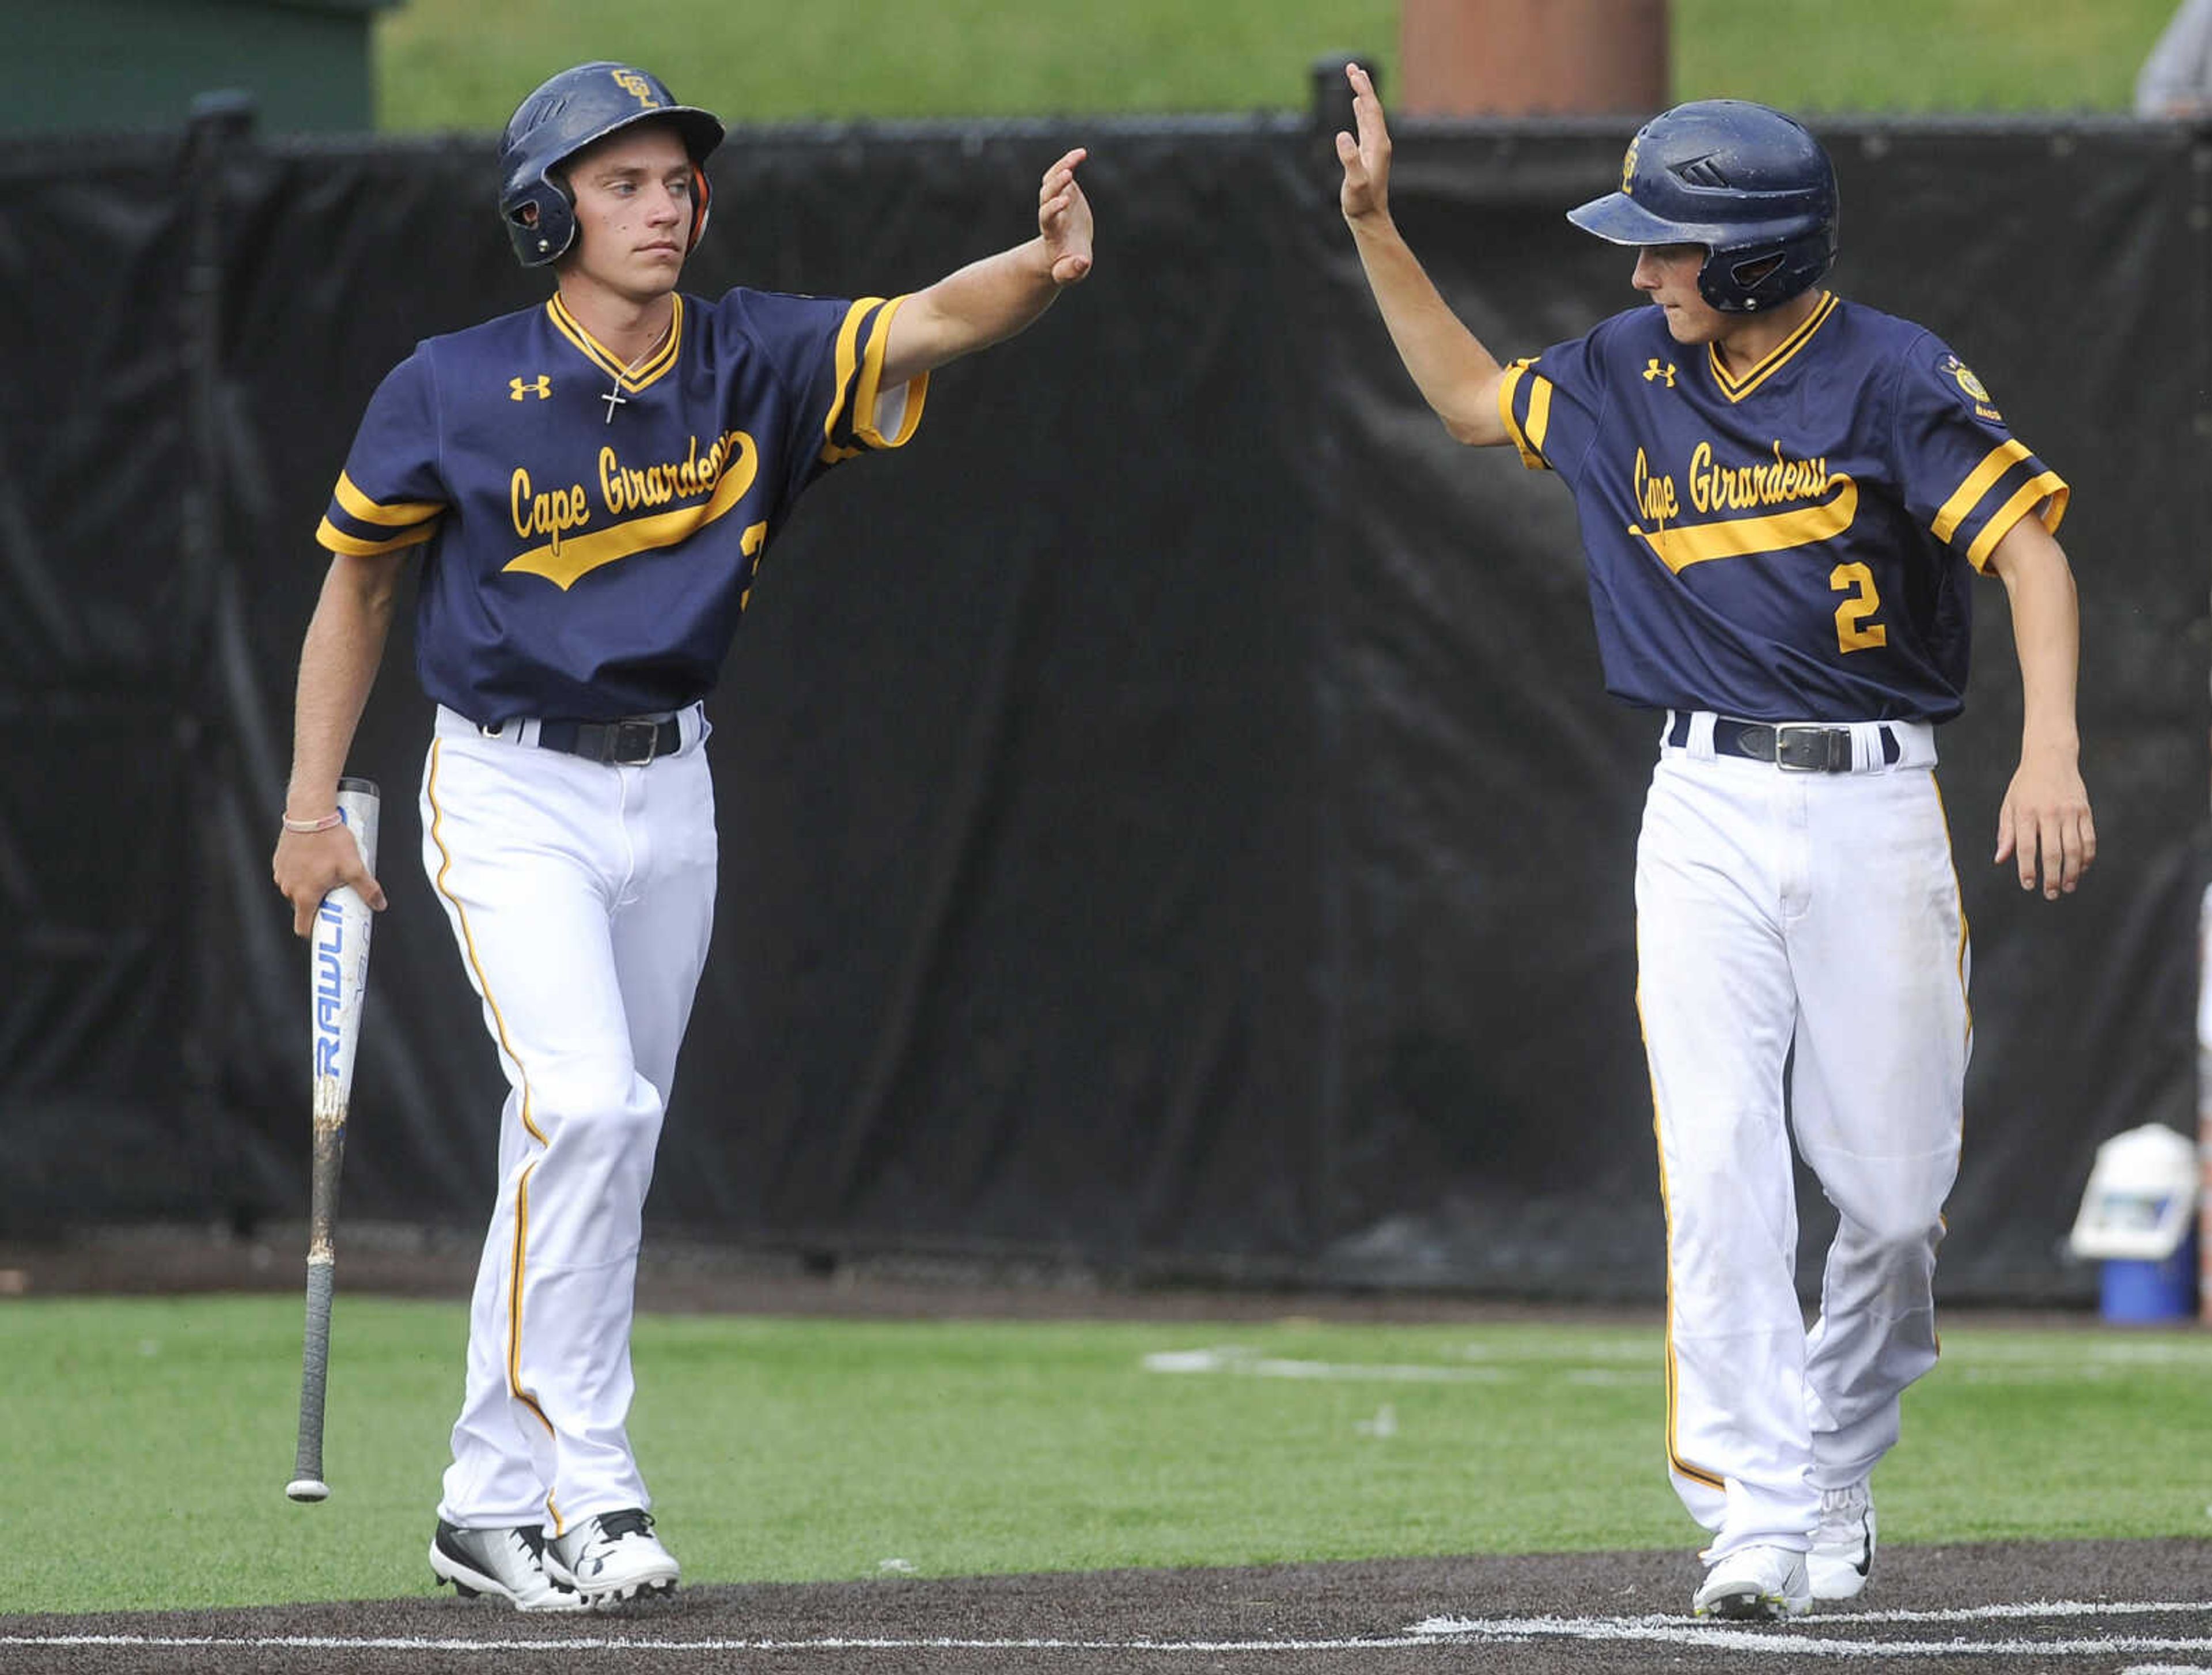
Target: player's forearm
(985, 302)
(2046, 635)
(337, 667)
(1457, 375)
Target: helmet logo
(636, 86)
(1628, 165)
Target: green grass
(1947, 55)
(455, 64)
(460, 64)
(792, 1449)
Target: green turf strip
(148, 1444)
(460, 64)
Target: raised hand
(1366, 160)
(1064, 220)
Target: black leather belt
(1797, 747)
(628, 744)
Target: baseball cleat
(613, 1557)
(506, 1564)
(1755, 1584)
(1843, 1543)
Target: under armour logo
(1652, 369)
(542, 387)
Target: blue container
(2134, 1293)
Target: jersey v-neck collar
(600, 355)
(1736, 388)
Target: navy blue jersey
(590, 532)
(1796, 543)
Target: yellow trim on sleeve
(2054, 509)
(331, 539)
(872, 368)
(1540, 413)
(2048, 487)
(848, 354)
(1979, 482)
(358, 505)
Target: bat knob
(308, 1488)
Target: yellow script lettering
(548, 515)
(1715, 488)
(627, 489)
(1655, 495)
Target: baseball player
(590, 485)
(1784, 498)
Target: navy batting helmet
(577, 108)
(1745, 181)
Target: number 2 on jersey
(1853, 632)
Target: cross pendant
(614, 399)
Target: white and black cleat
(499, 1565)
(1842, 1558)
(613, 1557)
(1755, 1585)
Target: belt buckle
(1816, 754)
(632, 744)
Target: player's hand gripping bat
(339, 975)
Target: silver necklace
(614, 398)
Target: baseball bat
(339, 975)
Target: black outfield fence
(1172, 825)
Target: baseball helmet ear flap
(573, 110)
(541, 220)
(1745, 181)
(702, 193)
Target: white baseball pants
(581, 896)
(1817, 914)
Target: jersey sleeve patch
(1950, 365)
(1966, 475)
(862, 414)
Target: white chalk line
(1834, 1637)
(2018, 1611)
(1244, 1363)
(2087, 1359)
(1812, 1638)
(825, 1644)
(1795, 1643)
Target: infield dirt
(2009, 1607)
